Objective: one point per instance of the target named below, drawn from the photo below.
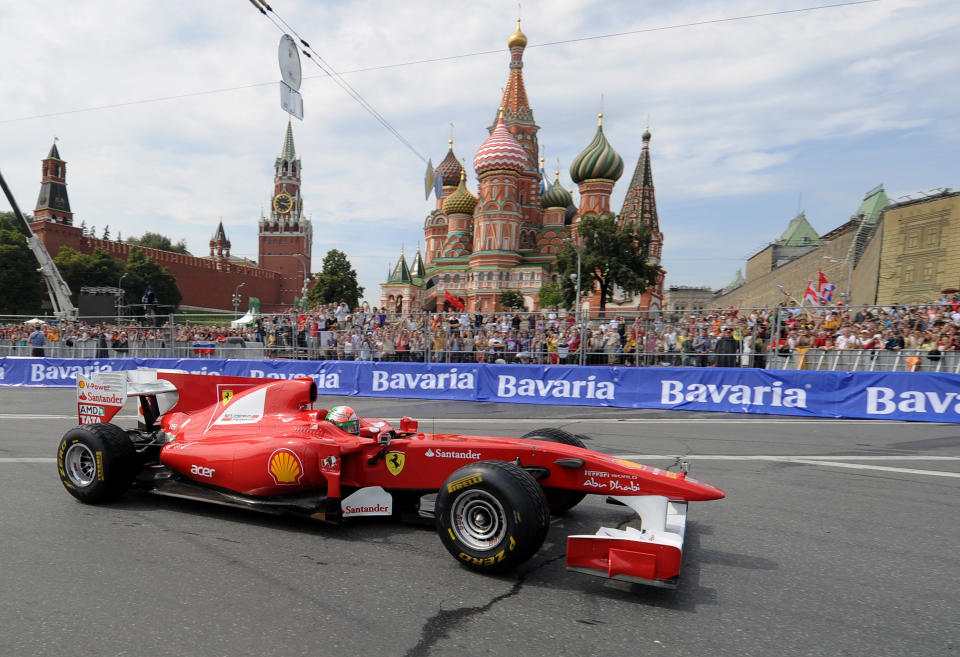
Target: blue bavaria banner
(419, 380)
(558, 384)
(922, 396)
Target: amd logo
(201, 471)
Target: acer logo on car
(202, 471)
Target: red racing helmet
(345, 418)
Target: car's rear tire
(96, 462)
(492, 515)
(560, 500)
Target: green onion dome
(449, 169)
(598, 160)
(460, 201)
(556, 196)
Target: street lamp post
(236, 300)
(577, 314)
(120, 293)
(303, 265)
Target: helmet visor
(350, 426)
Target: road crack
(439, 625)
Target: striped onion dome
(556, 196)
(501, 150)
(598, 160)
(449, 169)
(461, 201)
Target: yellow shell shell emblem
(395, 461)
(285, 467)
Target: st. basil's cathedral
(508, 236)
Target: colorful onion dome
(501, 150)
(518, 38)
(556, 196)
(598, 160)
(449, 169)
(461, 201)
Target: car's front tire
(96, 462)
(560, 500)
(492, 516)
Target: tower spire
(288, 152)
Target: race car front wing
(649, 555)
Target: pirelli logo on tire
(457, 484)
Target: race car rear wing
(101, 395)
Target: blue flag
(438, 186)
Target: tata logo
(395, 462)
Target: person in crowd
(103, 347)
(727, 348)
(121, 345)
(37, 340)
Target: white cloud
(742, 112)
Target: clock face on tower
(282, 203)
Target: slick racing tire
(492, 516)
(96, 462)
(560, 500)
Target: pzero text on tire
(492, 516)
(96, 462)
(560, 500)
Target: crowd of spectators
(728, 337)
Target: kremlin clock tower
(285, 235)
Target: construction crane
(57, 288)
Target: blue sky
(746, 115)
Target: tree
(337, 281)
(511, 299)
(21, 285)
(106, 232)
(551, 295)
(159, 242)
(80, 269)
(143, 271)
(612, 256)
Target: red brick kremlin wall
(204, 282)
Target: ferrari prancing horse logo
(226, 396)
(395, 461)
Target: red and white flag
(826, 289)
(811, 296)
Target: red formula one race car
(260, 444)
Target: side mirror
(408, 425)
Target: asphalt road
(836, 538)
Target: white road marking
(771, 457)
(27, 460)
(566, 420)
(831, 461)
